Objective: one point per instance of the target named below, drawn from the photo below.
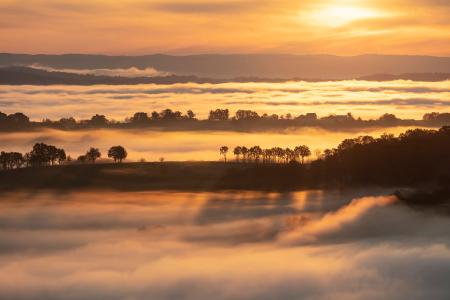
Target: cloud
(129, 72)
(399, 102)
(413, 89)
(104, 246)
(205, 7)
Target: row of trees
(16, 118)
(49, 155)
(142, 118)
(271, 155)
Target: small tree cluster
(91, 156)
(117, 153)
(11, 160)
(45, 155)
(41, 155)
(141, 118)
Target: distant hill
(31, 76)
(251, 65)
(408, 76)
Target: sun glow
(335, 16)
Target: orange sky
(226, 26)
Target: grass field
(203, 176)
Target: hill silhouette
(250, 65)
(16, 75)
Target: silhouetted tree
(99, 121)
(244, 152)
(437, 118)
(168, 114)
(93, 154)
(155, 115)
(223, 151)
(255, 152)
(4, 159)
(53, 153)
(327, 153)
(11, 160)
(303, 151)
(190, 115)
(289, 154)
(388, 118)
(39, 155)
(18, 119)
(246, 115)
(118, 153)
(26, 159)
(61, 156)
(219, 115)
(67, 123)
(43, 154)
(140, 118)
(237, 151)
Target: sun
(335, 16)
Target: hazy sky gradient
(234, 26)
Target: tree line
(48, 155)
(415, 155)
(271, 155)
(216, 117)
(415, 158)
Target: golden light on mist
(339, 15)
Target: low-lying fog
(406, 99)
(305, 245)
(179, 146)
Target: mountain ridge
(283, 66)
(17, 75)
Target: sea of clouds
(153, 245)
(364, 99)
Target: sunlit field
(406, 99)
(304, 245)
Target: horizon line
(221, 54)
